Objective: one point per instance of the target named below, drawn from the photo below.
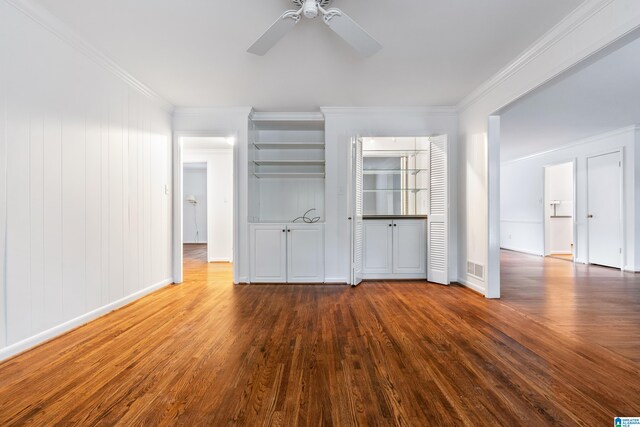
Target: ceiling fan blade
(351, 32)
(276, 32)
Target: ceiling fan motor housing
(310, 7)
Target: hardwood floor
(601, 305)
(408, 353)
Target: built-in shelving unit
(286, 166)
(396, 176)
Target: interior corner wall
(522, 194)
(340, 126)
(636, 196)
(599, 24)
(84, 161)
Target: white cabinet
(410, 247)
(268, 253)
(377, 247)
(395, 249)
(287, 253)
(305, 253)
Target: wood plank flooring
(408, 353)
(601, 305)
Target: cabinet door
(268, 254)
(410, 247)
(305, 253)
(378, 247)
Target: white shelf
(298, 175)
(289, 162)
(289, 145)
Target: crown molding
(571, 144)
(267, 116)
(209, 111)
(559, 32)
(49, 22)
(389, 110)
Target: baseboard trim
(471, 286)
(336, 281)
(56, 331)
(629, 269)
(522, 251)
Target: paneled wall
(85, 160)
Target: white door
(268, 253)
(356, 211)
(604, 188)
(305, 253)
(438, 222)
(410, 247)
(377, 247)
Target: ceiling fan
(336, 19)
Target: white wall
(344, 123)
(637, 200)
(593, 26)
(84, 160)
(219, 201)
(194, 227)
(522, 192)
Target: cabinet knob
(289, 231)
(589, 216)
(390, 225)
(395, 225)
(284, 231)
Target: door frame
(178, 196)
(574, 222)
(622, 216)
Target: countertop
(395, 217)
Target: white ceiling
(599, 97)
(193, 53)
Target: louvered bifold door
(438, 226)
(358, 210)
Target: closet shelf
(300, 175)
(392, 171)
(382, 190)
(289, 162)
(289, 145)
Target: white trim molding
(56, 331)
(563, 29)
(207, 111)
(52, 24)
(448, 110)
(594, 138)
(288, 117)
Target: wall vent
(475, 270)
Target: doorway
(604, 209)
(559, 209)
(194, 224)
(205, 203)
